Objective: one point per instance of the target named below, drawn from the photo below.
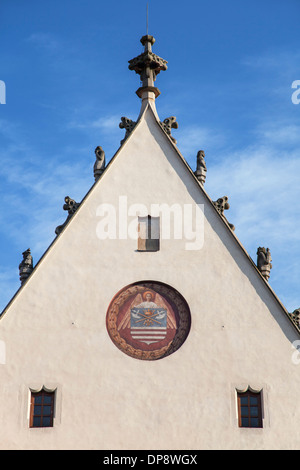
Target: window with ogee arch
(250, 409)
(42, 409)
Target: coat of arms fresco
(148, 320)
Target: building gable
(212, 326)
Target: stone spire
(148, 65)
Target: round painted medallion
(148, 320)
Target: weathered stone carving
(201, 170)
(264, 261)
(128, 125)
(295, 316)
(70, 206)
(168, 124)
(26, 266)
(148, 65)
(99, 165)
(221, 205)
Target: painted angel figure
(147, 303)
(149, 310)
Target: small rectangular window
(41, 409)
(250, 409)
(149, 233)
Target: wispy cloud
(282, 133)
(36, 191)
(263, 185)
(45, 41)
(282, 60)
(195, 138)
(106, 124)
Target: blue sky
(231, 66)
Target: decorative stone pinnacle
(147, 65)
(26, 266)
(264, 261)
(201, 170)
(99, 165)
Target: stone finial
(221, 205)
(71, 206)
(148, 65)
(168, 124)
(99, 165)
(264, 261)
(201, 169)
(295, 316)
(26, 266)
(128, 125)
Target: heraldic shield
(148, 320)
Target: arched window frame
(42, 408)
(250, 408)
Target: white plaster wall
(55, 331)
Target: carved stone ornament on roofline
(168, 124)
(71, 206)
(264, 261)
(99, 165)
(201, 169)
(295, 316)
(128, 125)
(26, 266)
(222, 204)
(148, 59)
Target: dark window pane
(47, 399)
(38, 399)
(254, 423)
(244, 411)
(254, 411)
(36, 422)
(244, 400)
(245, 422)
(46, 421)
(253, 400)
(46, 410)
(37, 410)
